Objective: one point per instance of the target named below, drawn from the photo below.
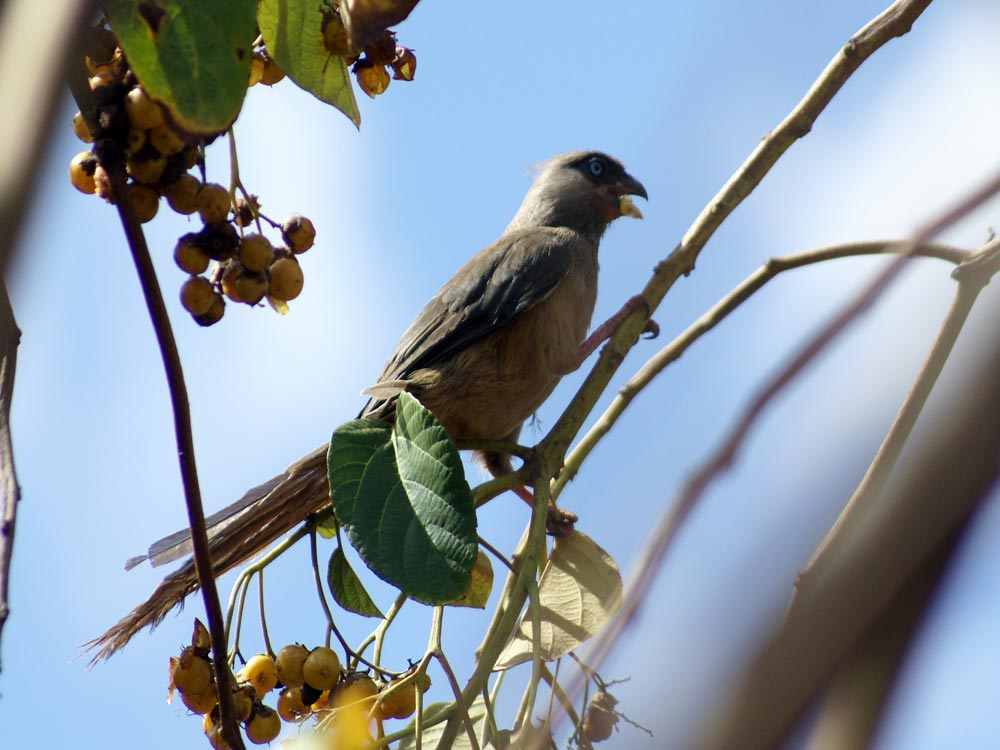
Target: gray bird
(483, 355)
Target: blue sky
(680, 93)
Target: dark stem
(10, 491)
(185, 444)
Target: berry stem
(115, 167)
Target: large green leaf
(293, 32)
(193, 57)
(404, 502)
(347, 588)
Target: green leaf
(351, 449)
(293, 32)
(192, 57)
(326, 523)
(404, 502)
(579, 591)
(347, 588)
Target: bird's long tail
(236, 533)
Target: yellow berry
(136, 140)
(243, 702)
(264, 725)
(182, 194)
(215, 738)
(214, 314)
(197, 295)
(259, 671)
(165, 140)
(81, 129)
(357, 689)
(201, 703)
(321, 668)
(213, 203)
(189, 255)
(243, 285)
(286, 284)
(298, 232)
(143, 113)
(191, 674)
(373, 79)
(145, 200)
(400, 703)
(256, 253)
(291, 707)
(81, 172)
(147, 171)
(289, 664)
(271, 73)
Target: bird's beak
(626, 187)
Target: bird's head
(581, 190)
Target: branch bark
(10, 491)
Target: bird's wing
(510, 276)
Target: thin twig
(871, 485)
(10, 490)
(263, 619)
(648, 563)
(114, 166)
(719, 312)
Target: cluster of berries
(371, 66)
(310, 683)
(157, 158)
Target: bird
(483, 355)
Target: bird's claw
(560, 522)
(651, 330)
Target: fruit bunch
(125, 124)
(371, 66)
(310, 683)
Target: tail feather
(237, 533)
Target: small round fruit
(213, 203)
(335, 36)
(202, 703)
(299, 233)
(321, 668)
(400, 703)
(289, 664)
(81, 129)
(264, 725)
(357, 689)
(189, 255)
(81, 172)
(103, 75)
(143, 112)
(192, 673)
(600, 718)
(404, 65)
(256, 253)
(220, 240)
(136, 139)
(214, 314)
(166, 140)
(259, 671)
(215, 738)
(147, 171)
(287, 281)
(271, 73)
(145, 200)
(291, 707)
(182, 194)
(197, 295)
(373, 79)
(243, 702)
(243, 285)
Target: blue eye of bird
(596, 167)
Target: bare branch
(10, 491)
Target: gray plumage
(483, 355)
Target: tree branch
(719, 312)
(10, 491)
(114, 165)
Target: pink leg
(606, 329)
